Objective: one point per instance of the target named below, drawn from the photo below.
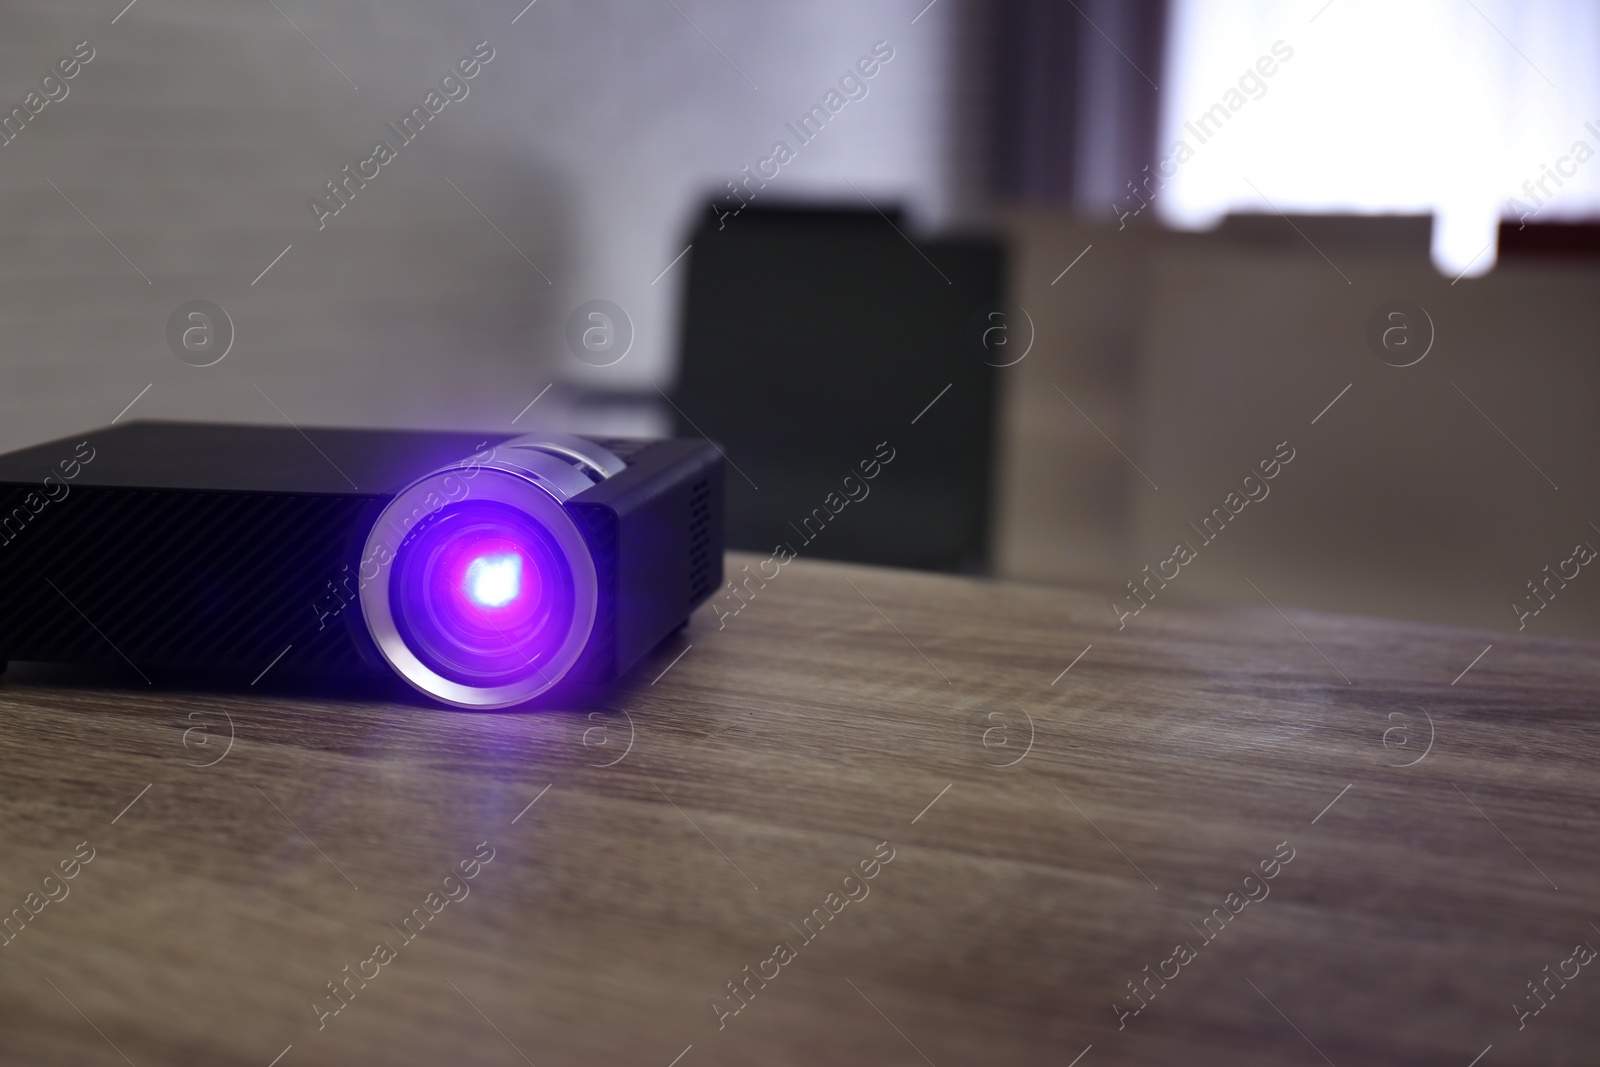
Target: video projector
(483, 569)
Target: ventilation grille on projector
(222, 580)
(699, 541)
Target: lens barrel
(491, 591)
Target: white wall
(199, 131)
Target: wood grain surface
(1049, 836)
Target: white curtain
(1474, 110)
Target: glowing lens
(482, 594)
(494, 581)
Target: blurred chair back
(844, 372)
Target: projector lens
(482, 594)
(485, 592)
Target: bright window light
(1472, 110)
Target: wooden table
(1047, 836)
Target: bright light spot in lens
(494, 581)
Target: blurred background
(1078, 268)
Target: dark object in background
(813, 337)
(233, 549)
(1569, 241)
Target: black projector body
(483, 568)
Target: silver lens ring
(534, 481)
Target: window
(1474, 110)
